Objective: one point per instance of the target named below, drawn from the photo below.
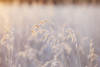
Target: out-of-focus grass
(63, 42)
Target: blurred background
(54, 2)
(83, 16)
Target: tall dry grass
(64, 45)
(51, 48)
(6, 44)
